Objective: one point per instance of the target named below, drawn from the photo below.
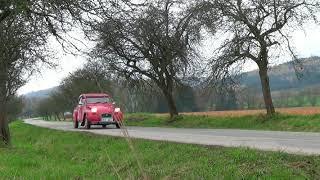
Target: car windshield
(92, 100)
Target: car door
(80, 108)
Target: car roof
(94, 95)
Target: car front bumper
(103, 119)
(103, 122)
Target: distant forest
(289, 89)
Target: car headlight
(116, 109)
(94, 109)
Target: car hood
(102, 108)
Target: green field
(280, 122)
(39, 153)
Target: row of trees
(133, 98)
(130, 97)
(151, 43)
(251, 98)
(92, 78)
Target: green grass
(39, 153)
(278, 122)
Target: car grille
(106, 115)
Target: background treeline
(190, 96)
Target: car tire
(87, 124)
(118, 125)
(75, 124)
(104, 126)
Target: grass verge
(39, 153)
(279, 122)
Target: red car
(96, 109)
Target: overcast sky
(306, 43)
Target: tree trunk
(58, 117)
(171, 104)
(64, 117)
(4, 125)
(265, 85)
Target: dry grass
(238, 113)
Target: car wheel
(87, 124)
(118, 125)
(104, 126)
(75, 124)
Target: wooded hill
(283, 76)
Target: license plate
(106, 119)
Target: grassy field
(280, 122)
(38, 153)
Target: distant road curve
(291, 142)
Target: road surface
(291, 142)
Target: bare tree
(21, 48)
(24, 30)
(152, 41)
(258, 31)
(91, 78)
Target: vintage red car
(96, 109)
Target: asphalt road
(291, 142)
